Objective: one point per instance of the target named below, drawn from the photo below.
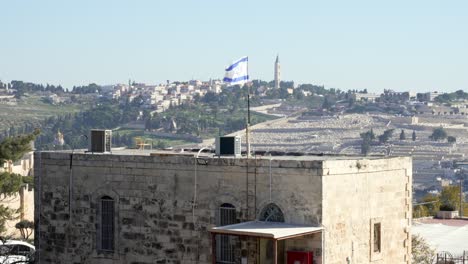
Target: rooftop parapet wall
(336, 167)
(88, 159)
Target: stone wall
(155, 219)
(23, 201)
(357, 194)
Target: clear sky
(400, 44)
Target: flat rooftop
(274, 155)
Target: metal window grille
(107, 224)
(272, 213)
(377, 237)
(225, 247)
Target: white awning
(271, 230)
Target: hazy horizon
(399, 45)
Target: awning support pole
(213, 248)
(275, 251)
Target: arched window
(225, 243)
(107, 224)
(272, 213)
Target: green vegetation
(318, 96)
(421, 252)
(106, 115)
(438, 134)
(386, 136)
(25, 87)
(450, 198)
(204, 121)
(450, 97)
(26, 228)
(29, 112)
(367, 139)
(207, 117)
(447, 200)
(402, 135)
(210, 115)
(91, 88)
(451, 139)
(12, 148)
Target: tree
(421, 252)
(451, 139)
(438, 134)
(450, 198)
(365, 148)
(402, 135)
(326, 103)
(413, 137)
(12, 149)
(366, 141)
(420, 211)
(372, 134)
(386, 136)
(26, 228)
(430, 206)
(368, 136)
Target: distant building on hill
(392, 96)
(59, 140)
(428, 97)
(365, 97)
(277, 73)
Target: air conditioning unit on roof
(228, 146)
(100, 141)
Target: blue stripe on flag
(241, 78)
(236, 63)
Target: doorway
(267, 251)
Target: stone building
(365, 97)
(167, 207)
(23, 201)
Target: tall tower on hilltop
(277, 73)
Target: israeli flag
(237, 72)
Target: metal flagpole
(248, 114)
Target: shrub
(447, 207)
(451, 139)
(438, 134)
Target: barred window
(227, 214)
(107, 223)
(226, 244)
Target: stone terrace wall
(155, 221)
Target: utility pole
(461, 197)
(247, 129)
